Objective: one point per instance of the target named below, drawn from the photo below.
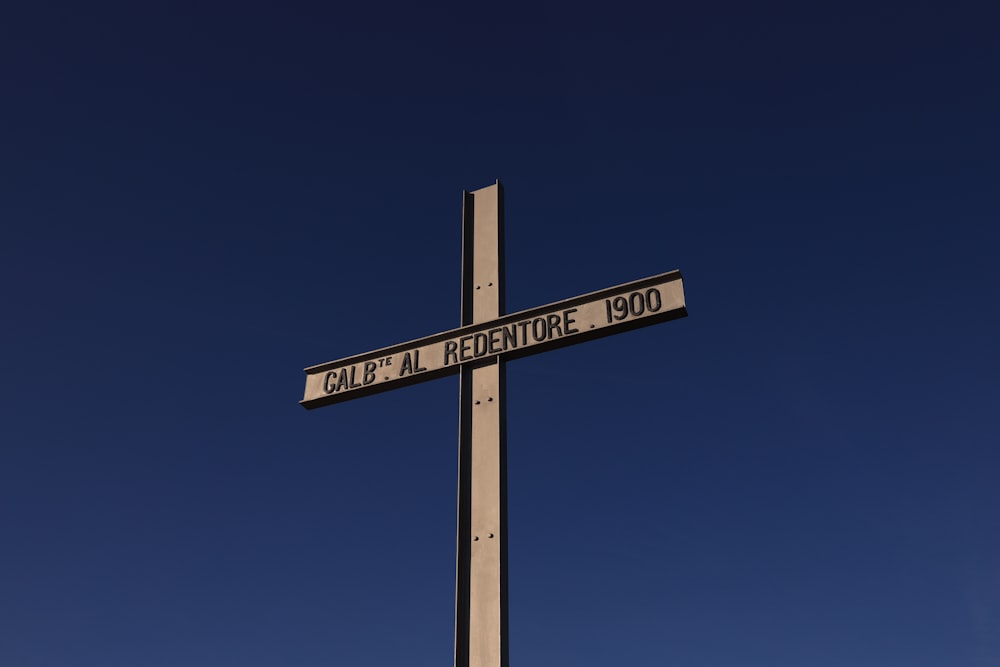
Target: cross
(477, 351)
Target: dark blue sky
(199, 200)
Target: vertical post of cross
(481, 564)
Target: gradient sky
(198, 200)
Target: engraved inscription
(635, 304)
(509, 337)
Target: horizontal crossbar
(578, 319)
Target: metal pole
(481, 563)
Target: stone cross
(477, 351)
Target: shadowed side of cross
(478, 351)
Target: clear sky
(198, 200)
